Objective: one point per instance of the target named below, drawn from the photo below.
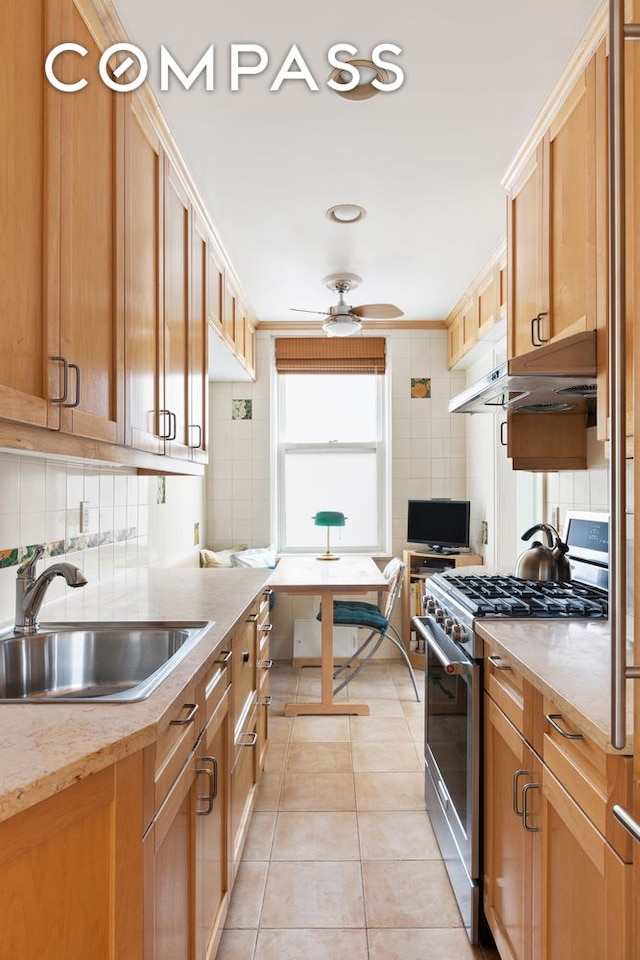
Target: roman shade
(330, 355)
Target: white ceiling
(425, 161)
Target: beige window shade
(330, 355)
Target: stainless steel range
(453, 688)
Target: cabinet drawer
(505, 686)
(243, 666)
(216, 680)
(244, 778)
(595, 779)
(180, 729)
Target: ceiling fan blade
(298, 310)
(377, 311)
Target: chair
(377, 619)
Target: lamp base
(327, 556)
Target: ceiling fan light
(341, 326)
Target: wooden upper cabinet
(91, 248)
(144, 161)
(29, 196)
(198, 327)
(552, 227)
(174, 403)
(526, 282)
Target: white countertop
(46, 747)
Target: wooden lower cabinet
(554, 887)
(71, 871)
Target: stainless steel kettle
(542, 562)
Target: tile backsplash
(124, 526)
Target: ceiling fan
(343, 319)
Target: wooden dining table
(327, 579)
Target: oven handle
(450, 666)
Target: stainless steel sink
(92, 662)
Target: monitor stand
(447, 551)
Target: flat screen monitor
(442, 524)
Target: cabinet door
(197, 358)
(244, 680)
(177, 260)
(169, 875)
(143, 259)
(527, 273)
(510, 869)
(587, 904)
(72, 869)
(570, 212)
(212, 880)
(91, 249)
(30, 203)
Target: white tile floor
(341, 861)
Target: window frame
(381, 445)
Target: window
(332, 452)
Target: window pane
(343, 481)
(319, 409)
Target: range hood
(550, 379)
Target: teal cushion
(358, 613)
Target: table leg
(327, 704)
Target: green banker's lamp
(328, 519)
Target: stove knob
(439, 614)
(458, 632)
(429, 605)
(448, 624)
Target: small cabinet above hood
(553, 378)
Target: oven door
(453, 690)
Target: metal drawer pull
(225, 656)
(165, 436)
(498, 663)
(247, 739)
(212, 774)
(537, 339)
(267, 592)
(266, 628)
(246, 656)
(552, 717)
(265, 701)
(252, 618)
(503, 434)
(192, 708)
(265, 664)
(525, 793)
(624, 817)
(516, 777)
(65, 380)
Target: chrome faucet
(30, 591)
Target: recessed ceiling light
(368, 73)
(346, 213)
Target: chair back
(394, 575)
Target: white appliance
(307, 640)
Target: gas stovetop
(496, 596)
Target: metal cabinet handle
(212, 775)
(498, 663)
(196, 426)
(246, 656)
(503, 432)
(173, 431)
(65, 380)
(192, 708)
(536, 337)
(552, 717)
(525, 793)
(165, 436)
(516, 778)
(76, 402)
(265, 701)
(265, 664)
(624, 817)
(252, 618)
(267, 592)
(266, 628)
(247, 739)
(225, 656)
